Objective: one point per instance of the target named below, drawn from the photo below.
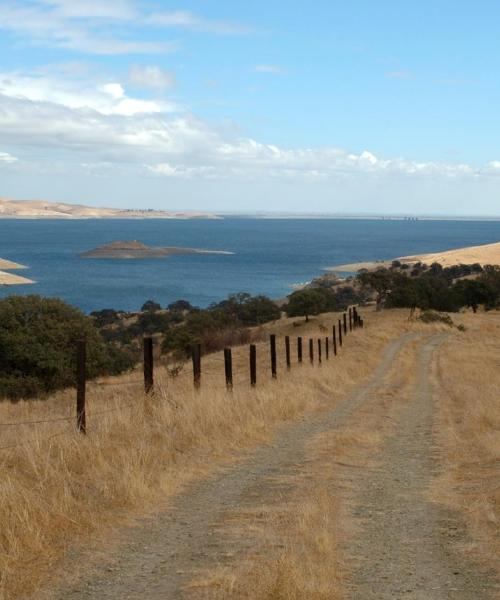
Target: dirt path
(407, 546)
(160, 555)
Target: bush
(37, 346)
(104, 317)
(222, 324)
(431, 316)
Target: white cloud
(273, 69)
(7, 158)
(116, 9)
(492, 168)
(59, 27)
(92, 122)
(107, 98)
(189, 20)
(150, 76)
(182, 171)
(78, 25)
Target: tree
(37, 346)
(380, 280)
(180, 306)
(150, 306)
(472, 293)
(307, 302)
(106, 316)
(247, 311)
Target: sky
(360, 107)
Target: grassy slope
(59, 487)
(59, 492)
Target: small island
(136, 250)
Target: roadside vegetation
(467, 428)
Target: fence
(349, 321)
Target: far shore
(8, 265)
(486, 254)
(11, 279)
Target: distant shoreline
(484, 254)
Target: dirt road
(401, 549)
(407, 546)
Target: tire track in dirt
(407, 546)
(162, 553)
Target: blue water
(270, 255)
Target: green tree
(150, 306)
(472, 293)
(381, 280)
(310, 301)
(180, 306)
(37, 346)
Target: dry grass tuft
(469, 430)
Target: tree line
(38, 335)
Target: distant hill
(41, 209)
(485, 254)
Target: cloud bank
(96, 122)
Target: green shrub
(37, 346)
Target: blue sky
(358, 107)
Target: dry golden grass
(306, 565)
(59, 487)
(469, 430)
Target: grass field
(62, 495)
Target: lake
(270, 255)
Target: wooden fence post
(319, 350)
(196, 356)
(287, 351)
(350, 319)
(311, 350)
(299, 349)
(334, 338)
(344, 316)
(253, 365)
(340, 334)
(148, 364)
(327, 349)
(81, 385)
(355, 316)
(272, 341)
(228, 368)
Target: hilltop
(42, 209)
(485, 254)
